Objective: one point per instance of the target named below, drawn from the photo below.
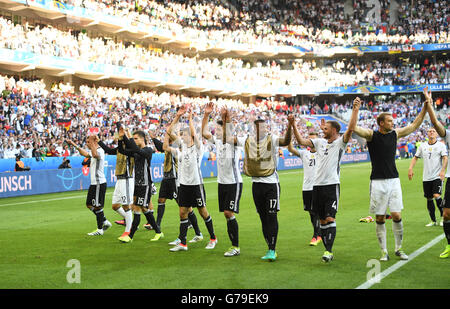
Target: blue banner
(386, 89)
(400, 48)
(62, 180)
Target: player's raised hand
(356, 103)
(151, 134)
(291, 119)
(427, 95)
(322, 123)
(209, 108)
(70, 142)
(121, 132)
(224, 114)
(181, 111)
(128, 133)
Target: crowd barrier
(77, 178)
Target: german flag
(65, 123)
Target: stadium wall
(42, 181)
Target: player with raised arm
(123, 190)
(445, 134)
(136, 146)
(191, 192)
(309, 160)
(168, 188)
(326, 188)
(385, 188)
(95, 199)
(435, 156)
(228, 177)
(260, 163)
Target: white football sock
(381, 235)
(128, 220)
(397, 228)
(121, 212)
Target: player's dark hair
(220, 122)
(381, 117)
(335, 124)
(141, 134)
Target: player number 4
(334, 205)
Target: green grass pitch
(40, 234)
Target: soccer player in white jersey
(191, 192)
(96, 194)
(309, 160)
(435, 156)
(445, 134)
(228, 177)
(326, 189)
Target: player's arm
(402, 132)
(353, 120)
(106, 149)
(158, 144)
(122, 147)
(145, 152)
(174, 122)
(292, 150)
(166, 145)
(82, 151)
(444, 166)
(197, 141)
(208, 110)
(302, 141)
(227, 127)
(286, 140)
(367, 134)
(436, 123)
(411, 167)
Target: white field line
(206, 182)
(396, 266)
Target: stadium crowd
(308, 23)
(49, 41)
(35, 122)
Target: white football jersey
(189, 163)
(97, 167)
(432, 159)
(329, 156)
(309, 161)
(228, 171)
